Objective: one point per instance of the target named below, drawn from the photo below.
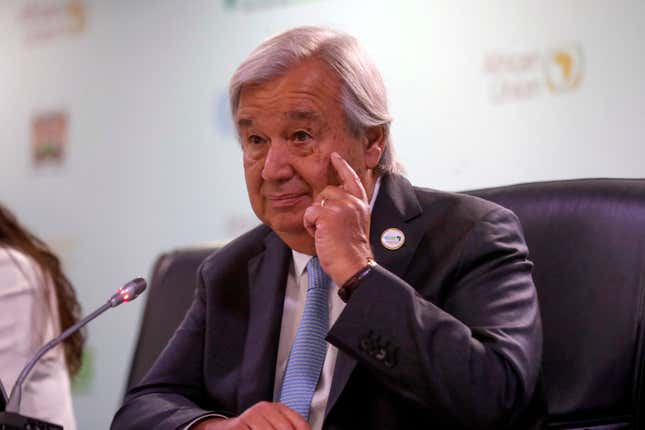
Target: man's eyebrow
(302, 115)
(244, 122)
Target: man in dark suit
(362, 301)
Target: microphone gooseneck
(128, 292)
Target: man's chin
(286, 220)
(289, 228)
(293, 234)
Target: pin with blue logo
(392, 239)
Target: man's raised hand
(339, 221)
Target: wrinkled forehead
(246, 117)
(305, 91)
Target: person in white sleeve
(36, 302)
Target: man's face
(288, 127)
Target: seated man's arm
(475, 360)
(171, 395)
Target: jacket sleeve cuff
(201, 418)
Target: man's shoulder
(238, 251)
(457, 207)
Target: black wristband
(345, 292)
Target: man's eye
(255, 140)
(301, 136)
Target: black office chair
(587, 240)
(169, 296)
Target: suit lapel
(396, 206)
(267, 281)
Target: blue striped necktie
(308, 351)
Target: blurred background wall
(116, 142)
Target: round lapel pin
(392, 239)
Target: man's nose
(277, 163)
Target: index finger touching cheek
(348, 177)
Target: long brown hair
(19, 238)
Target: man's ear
(374, 146)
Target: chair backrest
(587, 240)
(168, 298)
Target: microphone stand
(10, 419)
(16, 392)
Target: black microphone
(127, 293)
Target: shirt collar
(300, 260)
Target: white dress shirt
(28, 319)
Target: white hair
(363, 94)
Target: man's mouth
(286, 200)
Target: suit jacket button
(364, 344)
(380, 354)
(390, 360)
